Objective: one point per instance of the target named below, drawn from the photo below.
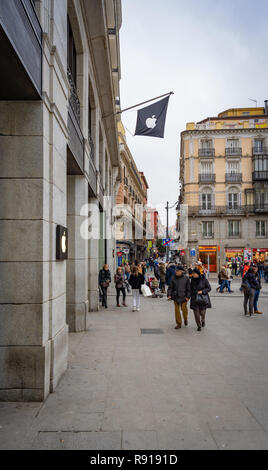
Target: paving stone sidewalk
(179, 389)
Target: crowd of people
(182, 284)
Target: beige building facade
(59, 168)
(224, 176)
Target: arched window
(233, 198)
(207, 201)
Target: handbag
(202, 300)
(105, 284)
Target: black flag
(151, 120)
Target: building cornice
(204, 132)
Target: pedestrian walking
(224, 276)
(249, 286)
(104, 282)
(170, 273)
(258, 290)
(136, 280)
(120, 285)
(162, 272)
(179, 291)
(127, 271)
(200, 301)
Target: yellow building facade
(131, 202)
(224, 175)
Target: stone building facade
(58, 153)
(224, 175)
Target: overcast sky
(211, 53)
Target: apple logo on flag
(151, 122)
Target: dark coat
(136, 281)
(253, 280)
(197, 285)
(179, 288)
(170, 273)
(104, 276)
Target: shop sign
(207, 248)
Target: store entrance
(208, 258)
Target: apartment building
(224, 175)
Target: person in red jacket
(246, 268)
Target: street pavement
(175, 390)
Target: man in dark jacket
(179, 291)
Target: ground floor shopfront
(214, 256)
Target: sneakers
(134, 309)
(138, 309)
(177, 327)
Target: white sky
(211, 53)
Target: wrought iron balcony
(74, 100)
(260, 176)
(206, 152)
(214, 211)
(233, 177)
(207, 177)
(260, 150)
(230, 151)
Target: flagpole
(139, 104)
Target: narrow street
(175, 389)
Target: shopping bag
(146, 291)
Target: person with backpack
(136, 280)
(200, 301)
(249, 287)
(104, 282)
(179, 292)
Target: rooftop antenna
(255, 101)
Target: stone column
(33, 331)
(77, 264)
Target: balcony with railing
(214, 211)
(233, 177)
(259, 150)
(260, 175)
(206, 152)
(76, 139)
(233, 151)
(207, 177)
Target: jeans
(249, 299)
(104, 296)
(136, 298)
(256, 298)
(118, 290)
(266, 276)
(225, 283)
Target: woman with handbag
(120, 285)
(104, 282)
(136, 280)
(200, 300)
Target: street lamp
(177, 204)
